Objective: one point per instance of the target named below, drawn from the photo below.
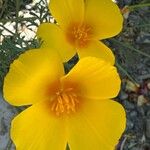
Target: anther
(79, 35)
(64, 102)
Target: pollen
(64, 102)
(79, 35)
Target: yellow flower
(75, 108)
(81, 24)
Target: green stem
(132, 7)
(6, 29)
(19, 19)
(17, 14)
(3, 8)
(130, 47)
(126, 73)
(142, 25)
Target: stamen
(64, 102)
(79, 35)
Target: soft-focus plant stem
(132, 7)
(3, 8)
(129, 47)
(142, 25)
(126, 73)
(6, 29)
(19, 19)
(17, 14)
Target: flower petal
(37, 129)
(94, 78)
(99, 50)
(54, 37)
(109, 21)
(98, 126)
(30, 75)
(68, 11)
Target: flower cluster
(74, 109)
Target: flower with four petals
(74, 109)
(80, 26)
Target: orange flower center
(79, 35)
(64, 102)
